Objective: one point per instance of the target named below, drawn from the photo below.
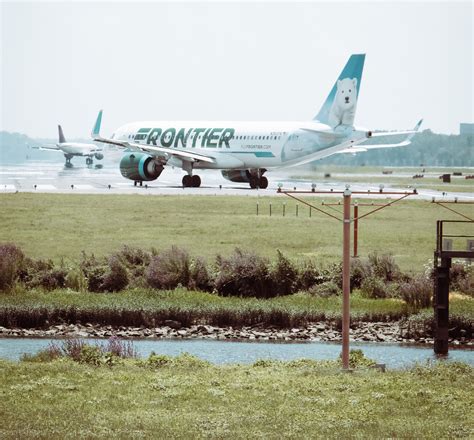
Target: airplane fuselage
(77, 149)
(237, 145)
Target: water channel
(232, 352)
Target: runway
(48, 176)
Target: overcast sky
(61, 62)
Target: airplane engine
(99, 156)
(140, 167)
(247, 176)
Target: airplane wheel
(196, 181)
(263, 184)
(253, 182)
(187, 181)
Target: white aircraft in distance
(71, 149)
(244, 151)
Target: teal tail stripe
(353, 69)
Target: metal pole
(346, 269)
(356, 228)
(270, 209)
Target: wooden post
(356, 229)
(346, 272)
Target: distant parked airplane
(71, 149)
(244, 151)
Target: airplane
(244, 151)
(71, 149)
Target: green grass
(56, 225)
(192, 399)
(149, 307)
(142, 307)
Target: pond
(231, 352)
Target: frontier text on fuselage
(182, 137)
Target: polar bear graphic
(344, 105)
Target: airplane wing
(151, 149)
(404, 143)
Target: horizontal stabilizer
(404, 143)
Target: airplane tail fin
(340, 105)
(62, 139)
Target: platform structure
(443, 255)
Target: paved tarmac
(46, 176)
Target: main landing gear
(191, 181)
(89, 161)
(256, 182)
(68, 163)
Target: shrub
(48, 279)
(134, 256)
(136, 261)
(244, 274)
(116, 277)
(284, 276)
(169, 269)
(357, 359)
(200, 278)
(309, 275)
(466, 285)
(91, 355)
(119, 348)
(50, 353)
(374, 287)
(326, 289)
(360, 270)
(76, 280)
(94, 271)
(42, 273)
(384, 267)
(418, 292)
(462, 278)
(79, 351)
(11, 259)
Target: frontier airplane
(71, 149)
(244, 151)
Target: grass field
(188, 398)
(55, 226)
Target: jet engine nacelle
(99, 156)
(140, 167)
(242, 175)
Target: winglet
(96, 130)
(415, 130)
